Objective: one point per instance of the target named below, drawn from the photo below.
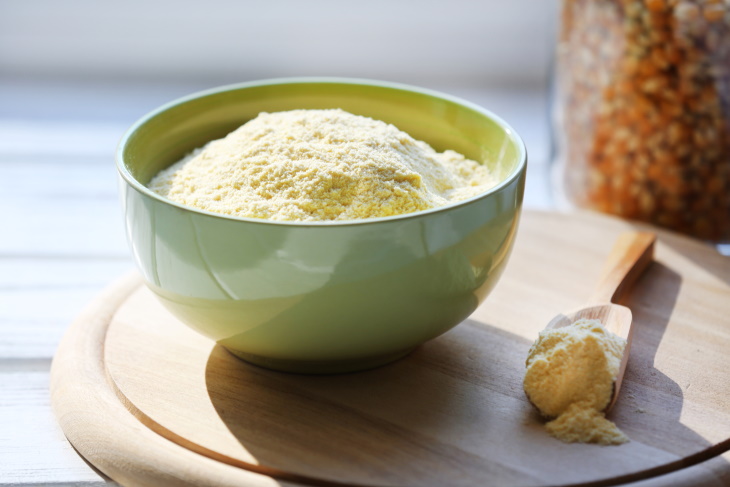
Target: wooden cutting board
(150, 402)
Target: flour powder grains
(319, 165)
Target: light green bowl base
(321, 367)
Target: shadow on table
(701, 254)
(372, 427)
(650, 404)
(432, 417)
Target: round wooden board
(150, 402)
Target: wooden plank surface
(61, 242)
(33, 449)
(451, 413)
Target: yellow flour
(310, 165)
(569, 377)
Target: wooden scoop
(631, 255)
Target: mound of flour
(315, 165)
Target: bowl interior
(166, 135)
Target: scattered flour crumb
(314, 165)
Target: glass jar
(642, 111)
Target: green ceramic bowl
(330, 296)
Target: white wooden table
(61, 240)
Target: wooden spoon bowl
(630, 257)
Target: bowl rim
(519, 169)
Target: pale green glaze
(321, 297)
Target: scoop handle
(631, 255)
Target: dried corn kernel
(643, 112)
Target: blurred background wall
(465, 42)
(74, 74)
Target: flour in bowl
(318, 165)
